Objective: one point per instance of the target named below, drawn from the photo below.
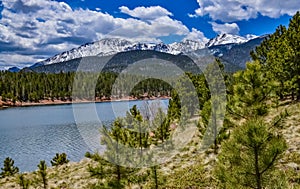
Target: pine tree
(116, 139)
(42, 172)
(161, 126)
(174, 106)
(127, 141)
(23, 182)
(213, 110)
(59, 159)
(251, 90)
(138, 129)
(187, 94)
(249, 158)
(155, 176)
(279, 56)
(293, 36)
(8, 168)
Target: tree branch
(271, 163)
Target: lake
(31, 134)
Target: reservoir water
(31, 134)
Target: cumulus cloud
(235, 10)
(39, 29)
(146, 13)
(232, 28)
(19, 59)
(196, 35)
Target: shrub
(8, 168)
(59, 159)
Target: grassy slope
(189, 166)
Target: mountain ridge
(111, 46)
(224, 39)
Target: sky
(33, 30)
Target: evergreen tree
(126, 141)
(32, 86)
(187, 94)
(42, 172)
(59, 159)
(8, 168)
(279, 56)
(23, 182)
(201, 86)
(115, 139)
(293, 36)
(212, 113)
(155, 176)
(251, 90)
(249, 158)
(161, 126)
(174, 109)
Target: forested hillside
(33, 87)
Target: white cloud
(146, 13)
(196, 35)
(234, 10)
(24, 60)
(192, 15)
(41, 28)
(232, 28)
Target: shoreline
(10, 104)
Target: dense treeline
(32, 87)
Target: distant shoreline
(9, 104)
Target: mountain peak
(225, 38)
(14, 69)
(251, 36)
(111, 46)
(103, 47)
(187, 45)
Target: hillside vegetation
(254, 146)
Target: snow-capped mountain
(232, 55)
(174, 48)
(251, 36)
(111, 46)
(186, 46)
(160, 47)
(104, 47)
(223, 39)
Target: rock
(293, 165)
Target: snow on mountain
(251, 36)
(103, 47)
(110, 46)
(223, 39)
(174, 48)
(186, 46)
(161, 47)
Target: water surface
(31, 134)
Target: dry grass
(75, 174)
(69, 176)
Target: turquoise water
(31, 134)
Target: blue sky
(32, 30)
